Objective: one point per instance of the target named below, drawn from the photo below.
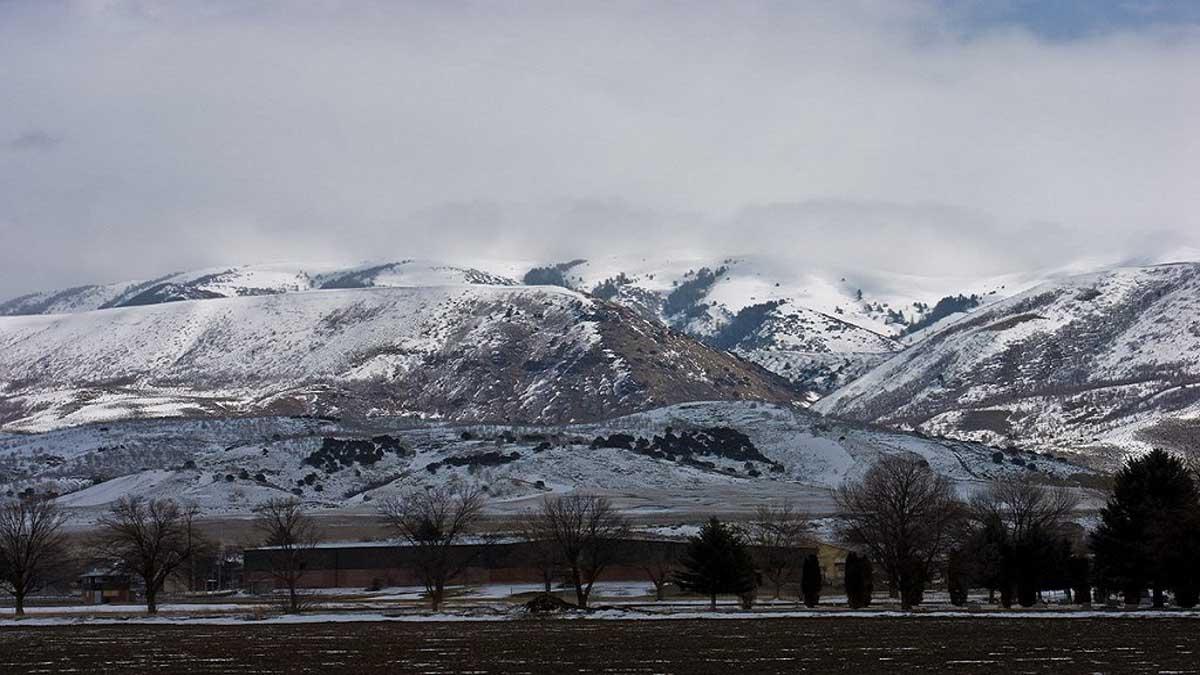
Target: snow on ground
(609, 614)
(227, 466)
(1085, 364)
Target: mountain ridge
(532, 354)
(1094, 363)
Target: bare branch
(32, 547)
(587, 531)
(284, 526)
(904, 516)
(777, 534)
(432, 522)
(151, 538)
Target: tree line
(1015, 538)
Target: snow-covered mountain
(342, 383)
(1101, 364)
(230, 282)
(257, 338)
(817, 328)
(461, 352)
(689, 458)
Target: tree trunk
(1006, 596)
(151, 600)
(906, 592)
(713, 601)
(293, 601)
(1159, 600)
(19, 598)
(1132, 596)
(581, 596)
(659, 586)
(435, 598)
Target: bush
(335, 453)
(551, 275)
(686, 298)
(548, 603)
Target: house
(101, 587)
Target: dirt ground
(862, 645)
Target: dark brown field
(863, 645)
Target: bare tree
(777, 533)
(292, 534)
(1015, 526)
(432, 522)
(660, 561)
(1024, 508)
(905, 516)
(32, 547)
(587, 531)
(150, 538)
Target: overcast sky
(137, 138)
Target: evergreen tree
(1182, 560)
(957, 578)
(1057, 575)
(811, 581)
(1147, 533)
(1079, 572)
(857, 572)
(983, 556)
(716, 563)
(1018, 528)
(1027, 558)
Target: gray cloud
(865, 133)
(35, 140)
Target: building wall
(364, 566)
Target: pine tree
(811, 581)
(1147, 535)
(854, 580)
(716, 563)
(1079, 572)
(956, 577)
(860, 582)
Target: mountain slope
(518, 354)
(246, 280)
(817, 327)
(1100, 363)
(690, 459)
(812, 327)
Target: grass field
(861, 645)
